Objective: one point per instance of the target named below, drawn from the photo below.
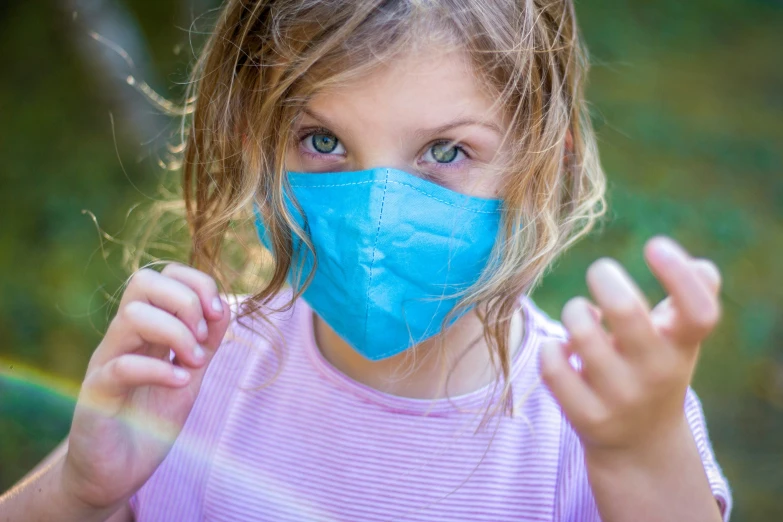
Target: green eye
(444, 152)
(324, 143)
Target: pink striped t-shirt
(310, 444)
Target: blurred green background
(687, 99)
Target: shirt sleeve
(574, 501)
(718, 483)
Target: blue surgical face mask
(392, 249)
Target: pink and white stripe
(313, 445)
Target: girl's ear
(569, 148)
(569, 142)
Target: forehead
(418, 88)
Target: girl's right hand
(135, 399)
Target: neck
(453, 364)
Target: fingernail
(198, 351)
(583, 320)
(612, 282)
(180, 374)
(668, 249)
(217, 305)
(201, 329)
(711, 271)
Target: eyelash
(452, 164)
(309, 132)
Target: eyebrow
(424, 133)
(421, 133)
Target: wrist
(74, 505)
(45, 495)
(660, 479)
(655, 449)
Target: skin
(393, 118)
(625, 403)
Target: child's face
(425, 113)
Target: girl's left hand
(630, 389)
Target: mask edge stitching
(417, 189)
(372, 262)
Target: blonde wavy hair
(266, 58)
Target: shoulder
(537, 328)
(573, 499)
(538, 320)
(532, 399)
(249, 318)
(265, 323)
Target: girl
(413, 167)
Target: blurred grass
(688, 103)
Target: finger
(663, 315)
(709, 273)
(601, 364)
(625, 309)
(596, 312)
(106, 388)
(695, 303)
(576, 398)
(138, 324)
(203, 285)
(217, 332)
(129, 371)
(170, 295)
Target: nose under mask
(393, 250)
